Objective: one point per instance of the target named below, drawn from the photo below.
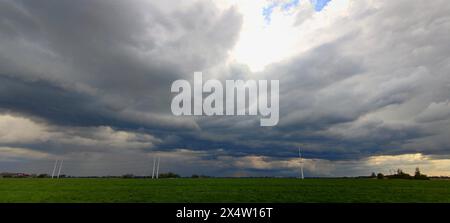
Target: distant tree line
(195, 176)
(402, 175)
(165, 175)
(26, 175)
(125, 176)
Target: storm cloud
(89, 82)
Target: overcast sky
(364, 86)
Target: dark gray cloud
(107, 61)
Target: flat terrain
(223, 190)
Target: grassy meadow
(214, 190)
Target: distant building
(14, 175)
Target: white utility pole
(157, 169)
(301, 163)
(154, 165)
(60, 167)
(54, 168)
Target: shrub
(380, 176)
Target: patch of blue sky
(267, 11)
(319, 4)
(288, 5)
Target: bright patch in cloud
(280, 29)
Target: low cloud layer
(89, 82)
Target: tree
(128, 176)
(417, 173)
(373, 175)
(43, 175)
(169, 175)
(420, 176)
(400, 175)
(380, 176)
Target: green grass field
(223, 190)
